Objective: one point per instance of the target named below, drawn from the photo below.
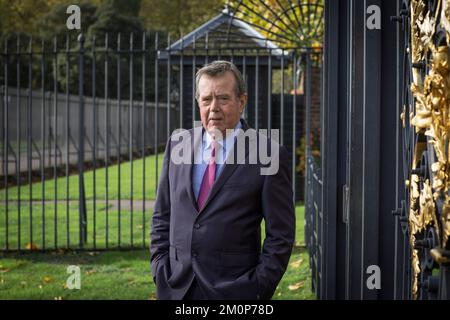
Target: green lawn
(118, 274)
(105, 228)
(105, 274)
(111, 275)
(112, 173)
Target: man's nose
(215, 105)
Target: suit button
(197, 226)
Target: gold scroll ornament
(431, 118)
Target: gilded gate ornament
(431, 119)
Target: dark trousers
(194, 292)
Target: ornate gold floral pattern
(432, 119)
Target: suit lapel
(196, 139)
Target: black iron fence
(376, 209)
(84, 122)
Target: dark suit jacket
(221, 244)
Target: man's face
(220, 107)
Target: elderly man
(205, 232)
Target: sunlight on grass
(67, 187)
(113, 274)
(53, 226)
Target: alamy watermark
(258, 150)
(74, 280)
(373, 21)
(374, 279)
(74, 20)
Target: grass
(114, 274)
(119, 274)
(110, 275)
(103, 227)
(67, 187)
(105, 274)
(69, 220)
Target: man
(205, 233)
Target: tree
(178, 16)
(53, 23)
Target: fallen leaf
(296, 286)
(5, 270)
(31, 246)
(296, 264)
(47, 279)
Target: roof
(226, 32)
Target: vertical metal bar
(282, 100)
(206, 47)
(308, 22)
(181, 97)
(119, 139)
(269, 93)
(156, 111)
(194, 54)
(29, 128)
(67, 138)
(18, 126)
(81, 135)
(5, 145)
(307, 84)
(257, 90)
(294, 120)
(107, 141)
(143, 116)
(94, 151)
(398, 146)
(130, 140)
(244, 75)
(81, 203)
(43, 141)
(168, 85)
(55, 130)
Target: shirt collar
(207, 139)
(229, 139)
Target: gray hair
(218, 68)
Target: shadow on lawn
(92, 257)
(68, 257)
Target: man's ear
(243, 102)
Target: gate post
(81, 135)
